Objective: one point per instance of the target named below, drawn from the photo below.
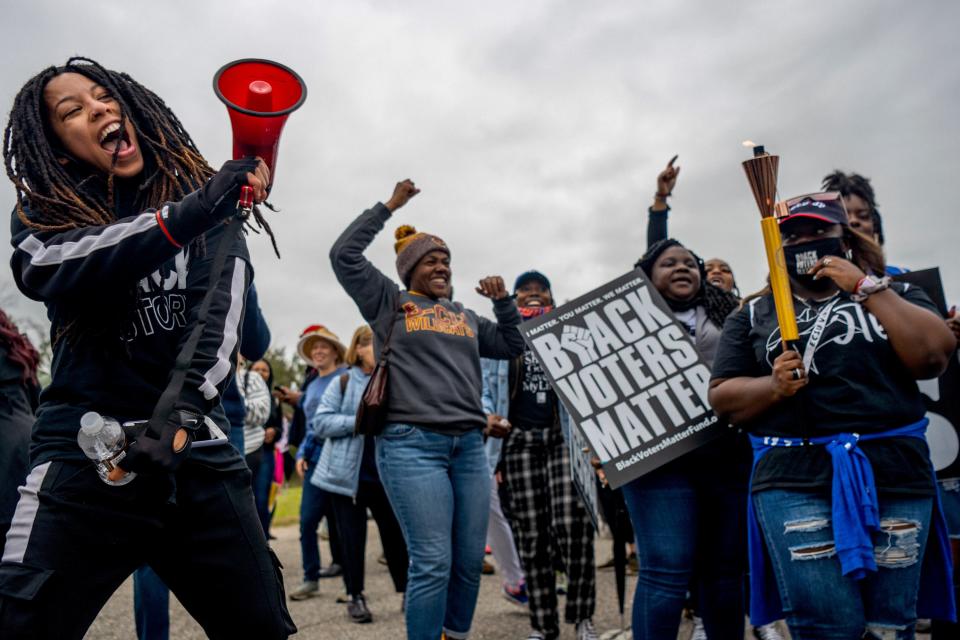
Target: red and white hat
(315, 332)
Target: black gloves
(150, 454)
(225, 186)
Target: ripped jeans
(819, 602)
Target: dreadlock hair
(19, 349)
(717, 303)
(854, 184)
(56, 196)
(52, 196)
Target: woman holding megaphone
(430, 452)
(117, 230)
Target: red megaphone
(259, 95)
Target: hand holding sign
(628, 374)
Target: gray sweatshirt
(435, 379)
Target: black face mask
(801, 257)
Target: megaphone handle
(245, 203)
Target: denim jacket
(496, 399)
(338, 469)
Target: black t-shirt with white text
(858, 384)
(534, 404)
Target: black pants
(74, 540)
(549, 521)
(15, 426)
(351, 517)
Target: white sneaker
(699, 633)
(585, 630)
(768, 632)
(536, 635)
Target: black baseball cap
(532, 274)
(825, 206)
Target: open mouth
(113, 139)
(716, 280)
(533, 302)
(438, 282)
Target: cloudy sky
(536, 129)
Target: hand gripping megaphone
(260, 95)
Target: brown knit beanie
(411, 246)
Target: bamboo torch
(761, 172)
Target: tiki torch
(761, 172)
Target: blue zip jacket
(338, 469)
(309, 449)
(496, 399)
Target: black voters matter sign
(629, 375)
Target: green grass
(288, 505)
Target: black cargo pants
(74, 540)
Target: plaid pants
(548, 518)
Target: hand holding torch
(761, 172)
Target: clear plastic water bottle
(102, 440)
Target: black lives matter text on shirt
(534, 405)
(628, 374)
(857, 385)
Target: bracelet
(163, 228)
(662, 196)
(867, 286)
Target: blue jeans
(315, 503)
(151, 605)
(819, 602)
(439, 487)
(950, 501)
(262, 481)
(691, 535)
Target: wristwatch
(868, 286)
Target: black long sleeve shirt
(81, 270)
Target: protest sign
(583, 474)
(941, 395)
(629, 375)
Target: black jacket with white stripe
(122, 373)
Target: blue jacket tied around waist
(855, 518)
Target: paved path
(322, 617)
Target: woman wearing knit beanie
(689, 516)
(430, 455)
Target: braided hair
(717, 303)
(54, 195)
(856, 185)
(57, 196)
(19, 349)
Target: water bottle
(102, 440)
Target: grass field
(288, 504)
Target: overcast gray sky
(536, 128)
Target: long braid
(718, 303)
(54, 195)
(62, 198)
